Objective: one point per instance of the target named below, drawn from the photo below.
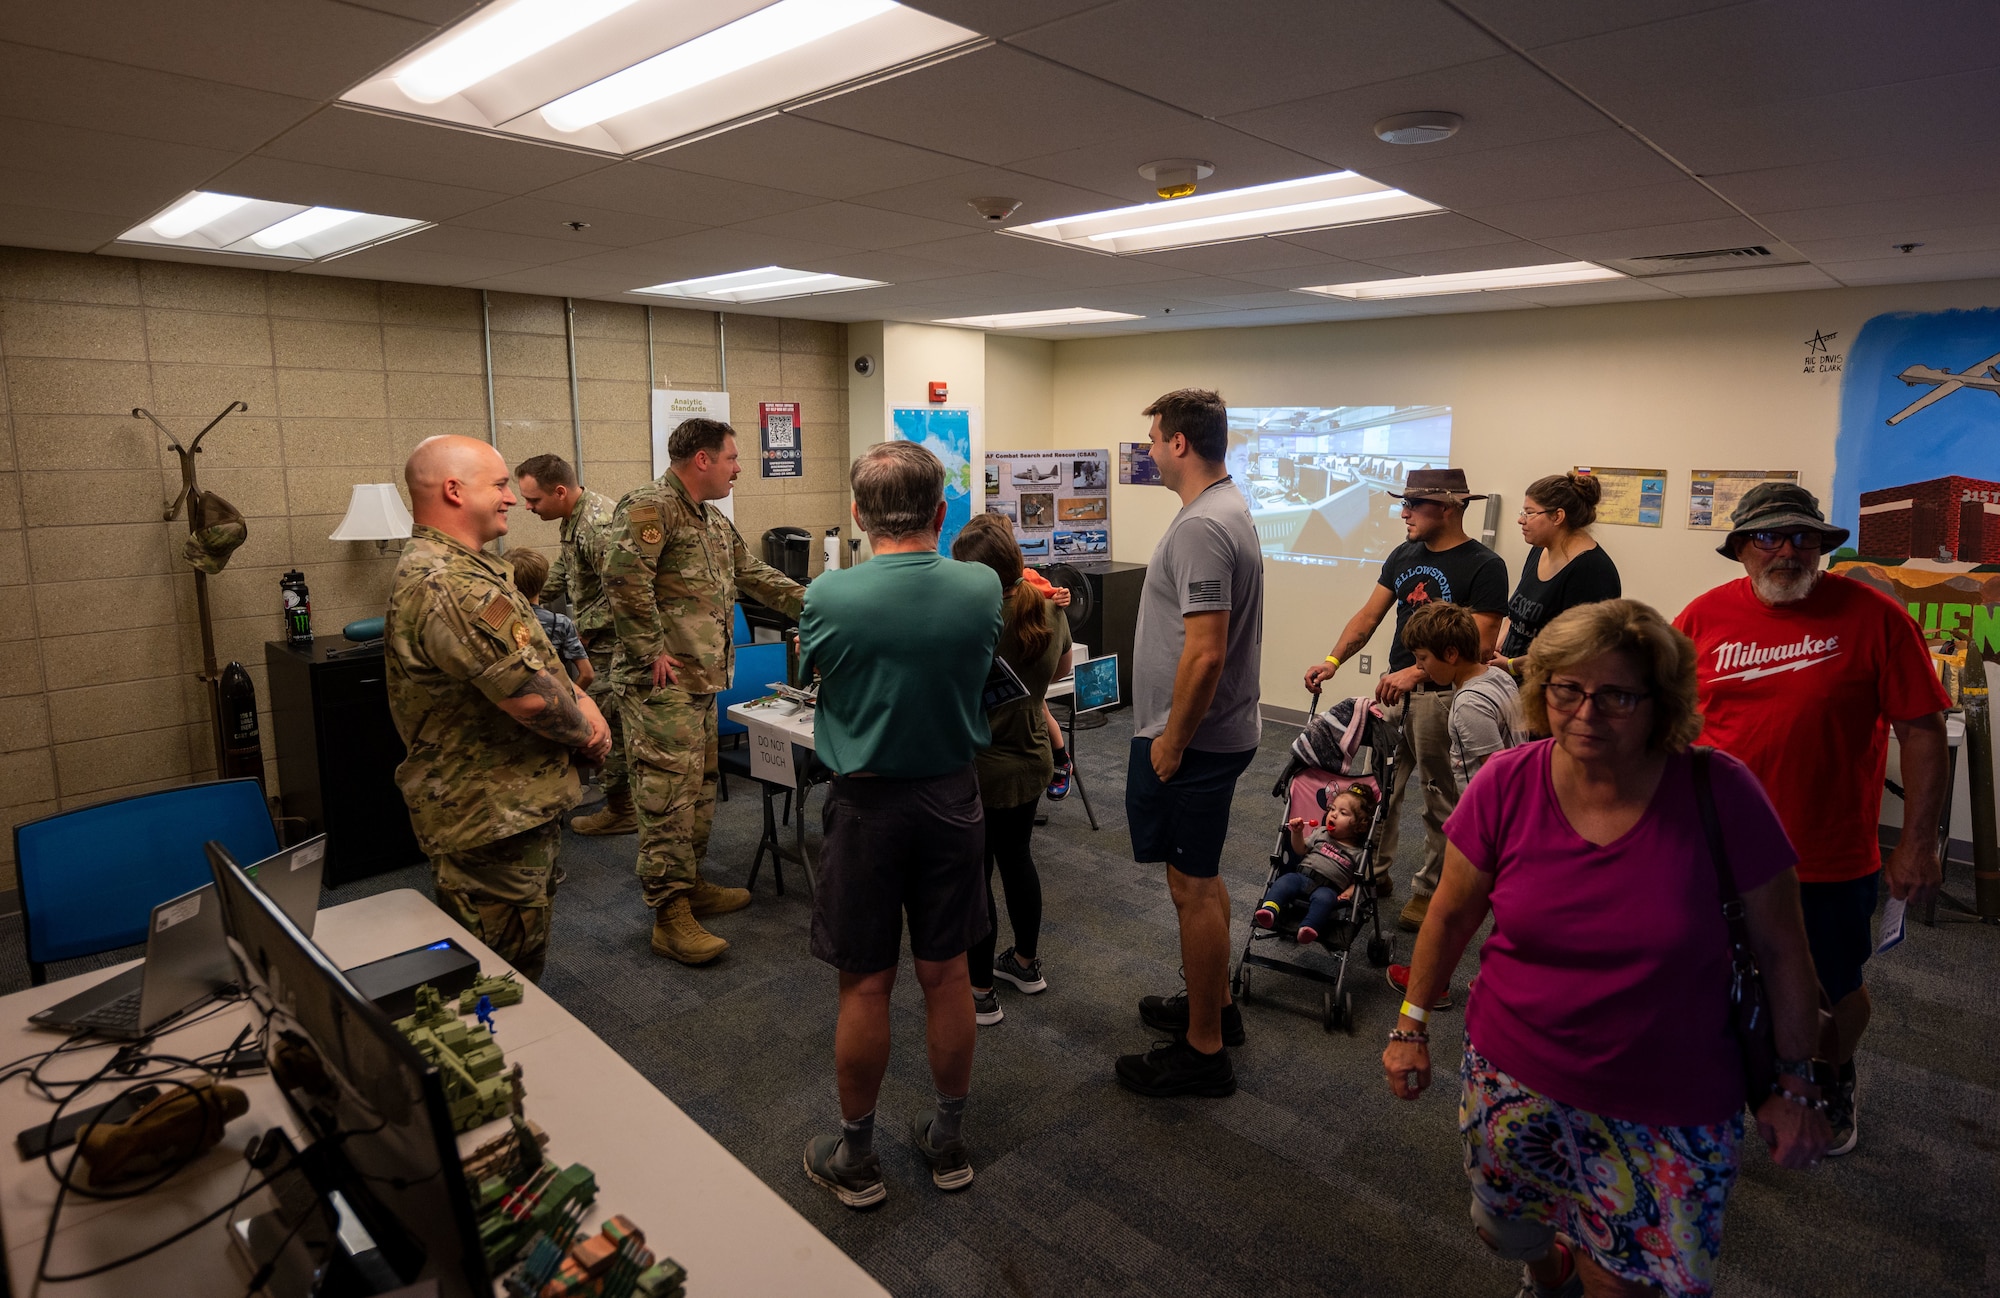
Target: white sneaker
(986, 1009)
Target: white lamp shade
(374, 513)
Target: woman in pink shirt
(1602, 1098)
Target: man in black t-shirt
(1438, 562)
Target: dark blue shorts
(1185, 821)
(1840, 929)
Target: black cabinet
(337, 755)
(1104, 615)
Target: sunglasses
(1801, 541)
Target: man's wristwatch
(1813, 1072)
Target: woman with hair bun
(1566, 566)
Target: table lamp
(374, 513)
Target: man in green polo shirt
(902, 645)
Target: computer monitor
(1097, 684)
(374, 1107)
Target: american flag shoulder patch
(1205, 592)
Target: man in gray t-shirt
(1196, 726)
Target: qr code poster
(1040, 492)
(781, 454)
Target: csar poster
(1059, 502)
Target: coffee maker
(789, 550)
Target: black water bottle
(298, 607)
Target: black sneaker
(857, 1187)
(986, 1009)
(1027, 979)
(1842, 1113)
(1170, 1014)
(951, 1169)
(1177, 1068)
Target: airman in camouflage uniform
(488, 715)
(549, 486)
(675, 565)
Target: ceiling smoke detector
(994, 209)
(1176, 177)
(1418, 128)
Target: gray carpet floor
(1312, 1179)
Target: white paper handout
(1895, 918)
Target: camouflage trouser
(670, 754)
(503, 893)
(614, 777)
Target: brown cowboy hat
(1436, 484)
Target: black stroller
(1350, 743)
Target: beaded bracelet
(1803, 1101)
(1421, 1038)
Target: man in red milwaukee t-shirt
(1803, 674)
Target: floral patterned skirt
(1646, 1202)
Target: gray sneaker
(1843, 1114)
(857, 1187)
(951, 1169)
(1027, 979)
(986, 1008)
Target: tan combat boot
(615, 817)
(678, 936)
(714, 899)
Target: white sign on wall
(771, 755)
(670, 408)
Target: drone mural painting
(1917, 470)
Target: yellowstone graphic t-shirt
(1804, 695)
(1468, 574)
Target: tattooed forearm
(547, 707)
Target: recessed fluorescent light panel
(1310, 203)
(619, 76)
(765, 284)
(1471, 281)
(255, 227)
(1039, 319)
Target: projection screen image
(1318, 477)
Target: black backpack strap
(1711, 824)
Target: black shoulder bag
(1749, 1003)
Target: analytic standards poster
(781, 455)
(1713, 493)
(1632, 497)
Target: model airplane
(1944, 383)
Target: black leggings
(1008, 830)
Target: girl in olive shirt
(1014, 771)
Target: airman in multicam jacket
(484, 791)
(675, 565)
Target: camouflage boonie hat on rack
(219, 529)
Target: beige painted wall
(1712, 383)
(343, 377)
(1020, 393)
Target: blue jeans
(1288, 888)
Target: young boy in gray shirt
(1445, 641)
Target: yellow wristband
(1419, 1014)
(1332, 661)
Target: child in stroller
(1330, 855)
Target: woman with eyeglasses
(1602, 1091)
(1566, 567)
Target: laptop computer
(187, 960)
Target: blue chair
(757, 665)
(741, 633)
(91, 877)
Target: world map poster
(946, 432)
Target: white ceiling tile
(1614, 290)
(1892, 218)
(1450, 261)
(809, 157)
(991, 250)
(359, 140)
(502, 247)
(552, 281)
(1654, 240)
(311, 48)
(396, 261)
(604, 227)
(50, 86)
(851, 226)
(1002, 17)
(889, 267)
(285, 181)
(436, 13)
(1622, 209)
(1561, 168)
(1236, 256)
(709, 252)
(1431, 233)
(1331, 271)
(1767, 279)
(98, 171)
(1906, 172)
(994, 106)
(1468, 304)
(1503, 100)
(1113, 165)
(949, 198)
(1873, 247)
(1217, 59)
(48, 227)
(1913, 269)
(650, 190)
(1533, 23)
